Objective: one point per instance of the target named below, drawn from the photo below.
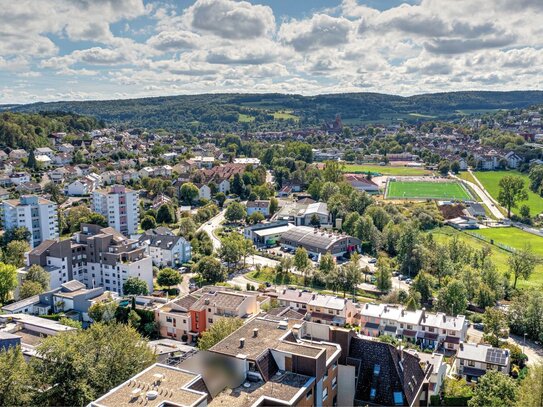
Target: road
(490, 203)
(533, 351)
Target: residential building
(262, 206)
(330, 310)
(119, 205)
(97, 257)
(214, 305)
(158, 385)
(36, 214)
(279, 365)
(166, 250)
(474, 360)
(318, 242)
(174, 318)
(513, 160)
(71, 298)
(305, 213)
(18, 178)
(428, 330)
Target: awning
(409, 333)
(371, 325)
(390, 328)
(452, 339)
(430, 336)
(473, 371)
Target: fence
(492, 242)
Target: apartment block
(119, 205)
(36, 214)
(97, 257)
(166, 250)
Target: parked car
(373, 260)
(479, 326)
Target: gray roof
(21, 304)
(165, 242)
(304, 235)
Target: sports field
(514, 237)
(426, 190)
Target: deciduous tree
(512, 190)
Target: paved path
(491, 204)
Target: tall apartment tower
(119, 205)
(36, 214)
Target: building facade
(119, 205)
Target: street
(490, 203)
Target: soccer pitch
(426, 190)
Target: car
(373, 260)
(267, 284)
(209, 223)
(479, 326)
(408, 281)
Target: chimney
(461, 345)
(255, 332)
(241, 342)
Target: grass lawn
(491, 180)
(499, 256)
(385, 169)
(245, 118)
(466, 176)
(285, 115)
(515, 238)
(426, 190)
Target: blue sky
(109, 49)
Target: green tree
(301, 262)
(530, 393)
(165, 214)
(17, 384)
(536, 179)
(522, 264)
(232, 249)
(168, 277)
(274, 205)
(422, 284)
(333, 171)
(452, 299)
(256, 217)
(383, 276)
(71, 323)
(238, 186)
(218, 331)
(235, 212)
(210, 269)
(455, 167)
(327, 263)
(37, 274)
(77, 367)
(328, 189)
(220, 197)
(18, 233)
(494, 389)
(103, 311)
(187, 227)
(54, 191)
(134, 320)
(14, 253)
(512, 190)
(31, 161)
(188, 193)
(135, 286)
(444, 167)
(495, 325)
(148, 222)
(8, 281)
(29, 289)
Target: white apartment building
(36, 214)
(120, 207)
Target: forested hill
(227, 112)
(24, 130)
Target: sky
(112, 49)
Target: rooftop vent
(152, 394)
(241, 342)
(282, 325)
(255, 332)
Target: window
(461, 362)
(471, 363)
(309, 394)
(334, 366)
(334, 382)
(325, 394)
(210, 320)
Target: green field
(426, 190)
(285, 115)
(514, 237)
(385, 169)
(245, 118)
(499, 256)
(491, 180)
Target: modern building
(158, 385)
(97, 257)
(305, 214)
(474, 360)
(262, 206)
(267, 233)
(119, 205)
(319, 242)
(36, 214)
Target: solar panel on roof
(496, 356)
